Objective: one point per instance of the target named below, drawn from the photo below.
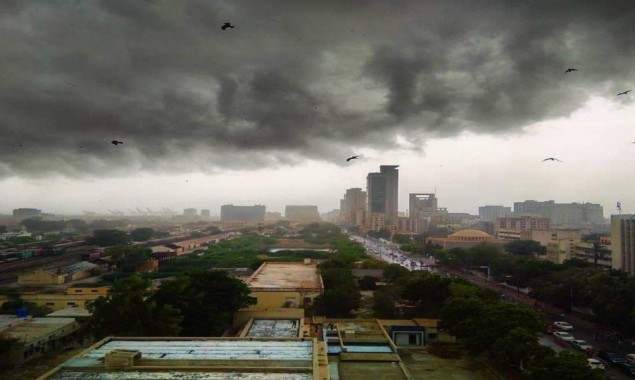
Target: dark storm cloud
(293, 80)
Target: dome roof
(470, 234)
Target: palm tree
(597, 249)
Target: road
(390, 252)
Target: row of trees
(610, 294)
(507, 333)
(200, 303)
(111, 237)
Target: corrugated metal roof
(218, 349)
(190, 375)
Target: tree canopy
(206, 300)
(107, 238)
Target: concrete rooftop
(280, 276)
(276, 328)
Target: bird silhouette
(570, 70)
(227, 25)
(551, 159)
(115, 142)
(624, 93)
(352, 158)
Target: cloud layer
(293, 80)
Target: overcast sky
(467, 97)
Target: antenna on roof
(619, 208)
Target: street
(390, 252)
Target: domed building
(465, 239)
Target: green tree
(562, 366)
(516, 347)
(142, 234)
(127, 310)
(127, 258)
(367, 283)
(525, 247)
(384, 301)
(395, 271)
(77, 224)
(338, 302)
(206, 300)
(597, 250)
(3, 229)
(107, 238)
(15, 303)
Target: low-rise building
(58, 275)
(34, 336)
(71, 297)
(197, 358)
(282, 290)
(464, 239)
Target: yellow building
(72, 297)
(282, 290)
(58, 275)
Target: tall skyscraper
(205, 213)
(25, 213)
(383, 192)
(623, 242)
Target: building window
(70, 303)
(94, 291)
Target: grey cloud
(183, 95)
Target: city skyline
(275, 105)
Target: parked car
(595, 364)
(581, 345)
(630, 359)
(563, 325)
(611, 357)
(627, 369)
(565, 336)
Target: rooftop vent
(121, 358)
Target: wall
(277, 299)
(243, 316)
(40, 277)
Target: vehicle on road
(581, 345)
(630, 359)
(565, 326)
(628, 369)
(611, 357)
(595, 364)
(564, 336)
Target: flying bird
(227, 25)
(551, 159)
(352, 158)
(624, 93)
(570, 70)
(115, 142)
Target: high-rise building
(422, 205)
(189, 212)
(383, 192)
(205, 213)
(492, 212)
(570, 215)
(25, 213)
(242, 213)
(623, 242)
(353, 207)
(297, 213)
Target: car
(611, 357)
(630, 359)
(595, 364)
(565, 336)
(627, 369)
(562, 325)
(581, 345)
